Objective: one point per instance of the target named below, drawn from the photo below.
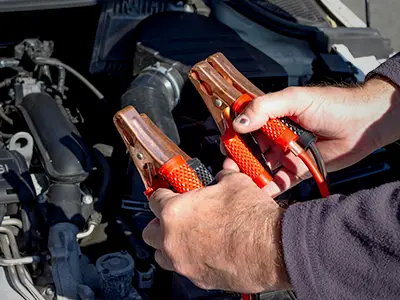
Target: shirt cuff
(389, 69)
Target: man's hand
(350, 123)
(226, 236)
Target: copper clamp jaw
(224, 88)
(160, 162)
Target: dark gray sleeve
(345, 247)
(389, 69)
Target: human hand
(226, 236)
(350, 124)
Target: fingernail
(243, 120)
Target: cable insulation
(322, 186)
(57, 63)
(319, 160)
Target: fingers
(275, 105)
(152, 234)
(229, 164)
(283, 180)
(163, 261)
(274, 157)
(157, 200)
(263, 142)
(222, 148)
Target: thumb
(285, 103)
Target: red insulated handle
(279, 133)
(273, 129)
(180, 175)
(243, 157)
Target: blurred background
(384, 16)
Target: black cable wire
(319, 160)
(57, 63)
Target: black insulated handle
(201, 171)
(305, 137)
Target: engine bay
(72, 206)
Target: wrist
(274, 273)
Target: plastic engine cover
(15, 181)
(190, 38)
(63, 153)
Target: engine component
(66, 263)
(15, 181)
(181, 37)
(156, 92)
(116, 271)
(24, 277)
(65, 256)
(22, 142)
(65, 204)
(114, 45)
(94, 221)
(6, 290)
(12, 272)
(295, 55)
(145, 279)
(64, 155)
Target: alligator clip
(226, 92)
(161, 163)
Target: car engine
(72, 207)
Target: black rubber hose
(150, 94)
(106, 178)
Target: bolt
(49, 291)
(41, 198)
(87, 199)
(140, 156)
(218, 103)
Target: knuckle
(239, 178)
(161, 260)
(258, 105)
(157, 194)
(292, 92)
(145, 235)
(168, 247)
(171, 211)
(297, 95)
(179, 268)
(236, 180)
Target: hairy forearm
(383, 96)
